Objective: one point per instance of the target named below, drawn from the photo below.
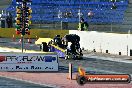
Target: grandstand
(54, 11)
(4, 4)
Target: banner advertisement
(28, 62)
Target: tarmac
(11, 83)
(59, 79)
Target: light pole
(128, 40)
(60, 17)
(22, 45)
(79, 14)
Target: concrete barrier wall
(101, 41)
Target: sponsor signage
(28, 62)
(104, 78)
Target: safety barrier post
(70, 71)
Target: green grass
(9, 32)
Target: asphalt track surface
(92, 65)
(8, 42)
(10, 83)
(99, 66)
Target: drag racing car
(69, 45)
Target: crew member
(83, 25)
(57, 40)
(9, 20)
